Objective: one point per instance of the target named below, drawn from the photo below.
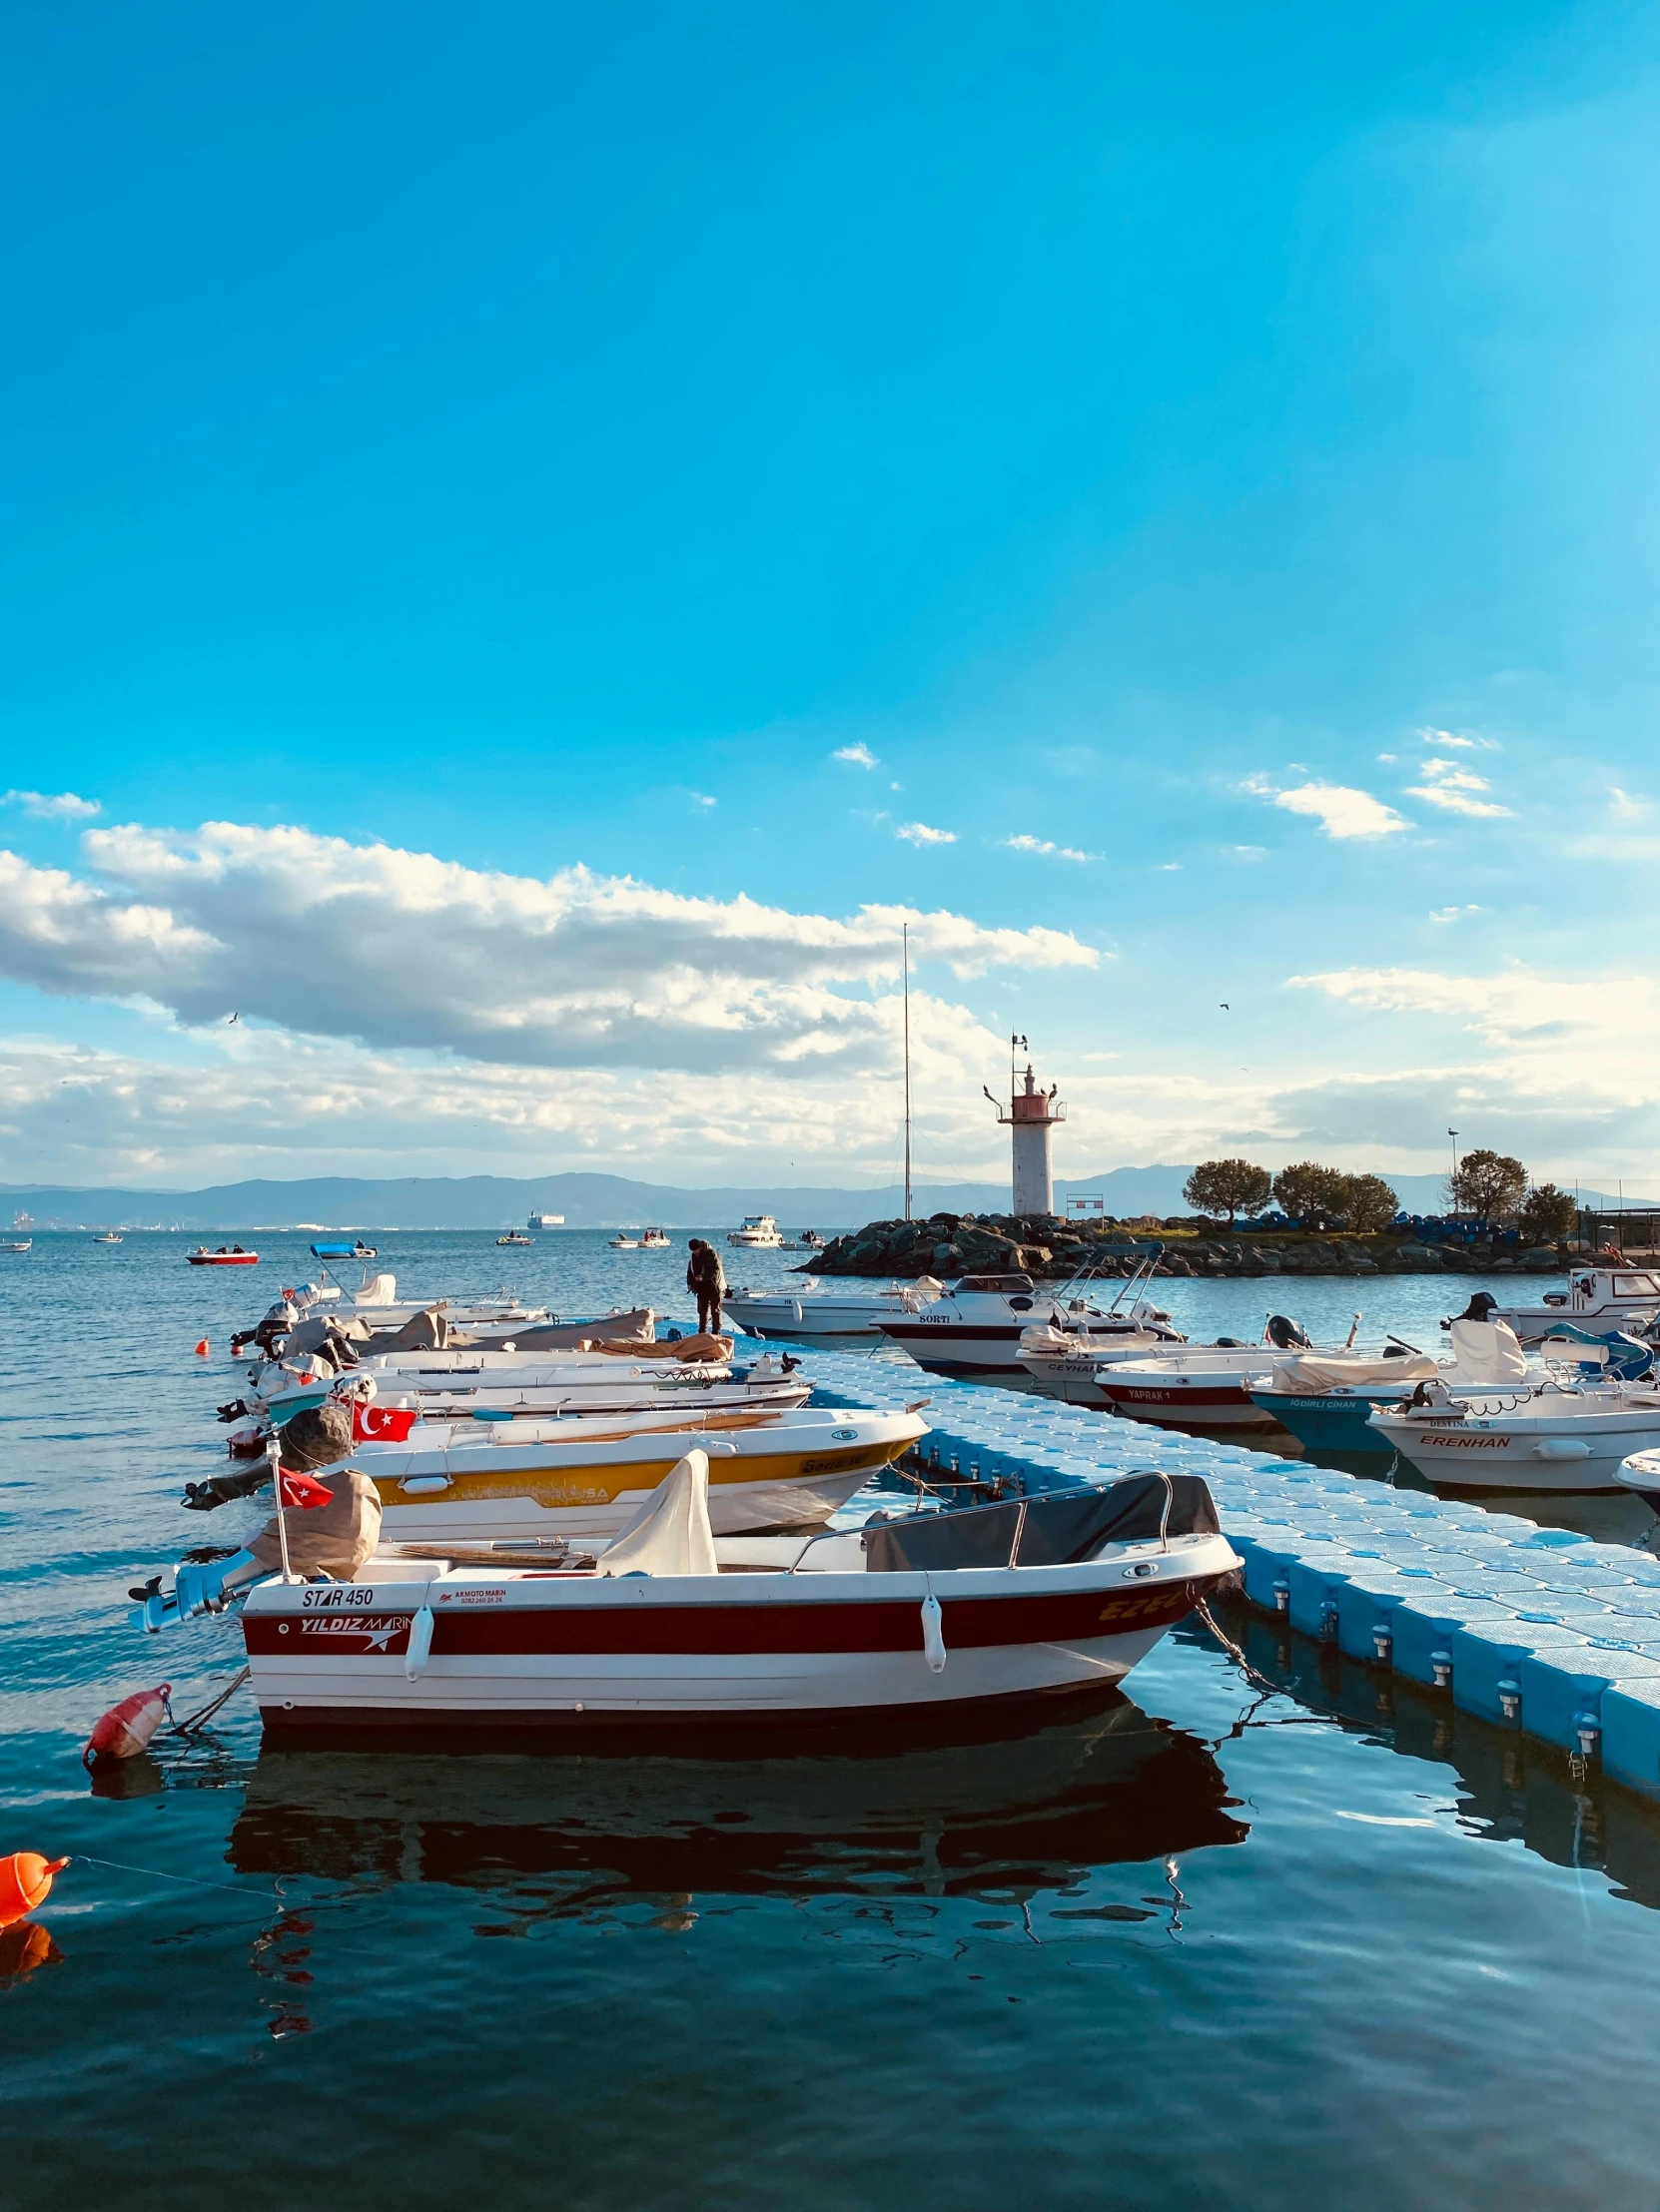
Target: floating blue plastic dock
(1530, 1627)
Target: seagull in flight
(1226, 1007)
(234, 1018)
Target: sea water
(1193, 1945)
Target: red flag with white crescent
(301, 1490)
(382, 1424)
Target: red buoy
(127, 1728)
(202, 1349)
(25, 1882)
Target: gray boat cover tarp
(1060, 1530)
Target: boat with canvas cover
(1012, 1606)
(1325, 1399)
(1204, 1385)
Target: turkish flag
(382, 1424)
(301, 1490)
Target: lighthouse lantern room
(1030, 1115)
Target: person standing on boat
(706, 1281)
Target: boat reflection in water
(555, 1837)
(1511, 1789)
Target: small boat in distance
(757, 1232)
(516, 1236)
(804, 1240)
(227, 1256)
(623, 1243)
(105, 1236)
(656, 1240)
(23, 1245)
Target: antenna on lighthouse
(905, 955)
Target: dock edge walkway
(1532, 1628)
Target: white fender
(933, 1633)
(421, 1644)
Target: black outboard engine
(1482, 1307)
(1286, 1335)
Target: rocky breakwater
(1041, 1245)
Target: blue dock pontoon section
(1529, 1627)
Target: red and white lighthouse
(1030, 1116)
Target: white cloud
(1342, 811)
(402, 949)
(1451, 914)
(702, 799)
(61, 806)
(1628, 805)
(1170, 868)
(1459, 741)
(918, 833)
(1043, 845)
(1451, 788)
(858, 756)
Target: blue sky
(1180, 481)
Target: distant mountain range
(587, 1201)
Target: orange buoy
(127, 1728)
(202, 1349)
(25, 1882)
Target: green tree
(1548, 1214)
(1227, 1186)
(1365, 1204)
(1308, 1191)
(1490, 1186)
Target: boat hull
(592, 1657)
(1471, 1459)
(1325, 1421)
(765, 1471)
(1207, 1401)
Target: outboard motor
(1482, 1306)
(1286, 1335)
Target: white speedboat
(1596, 1298)
(377, 1302)
(1012, 1605)
(1552, 1437)
(501, 1386)
(584, 1477)
(107, 1236)
(656, 1241)
(1205, 1385)
(1065, 1363)
(757, 1232)
(515, 1236)
(19, 1244)
(819, 1309)
(623, 1243)
(975, 1325)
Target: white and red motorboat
(228, 1256)
(998, 1606)
(975, 1326)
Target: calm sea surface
(1188, 1949)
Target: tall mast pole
(905, 953)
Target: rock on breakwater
(1044, 1246)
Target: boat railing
(1170, 1501)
